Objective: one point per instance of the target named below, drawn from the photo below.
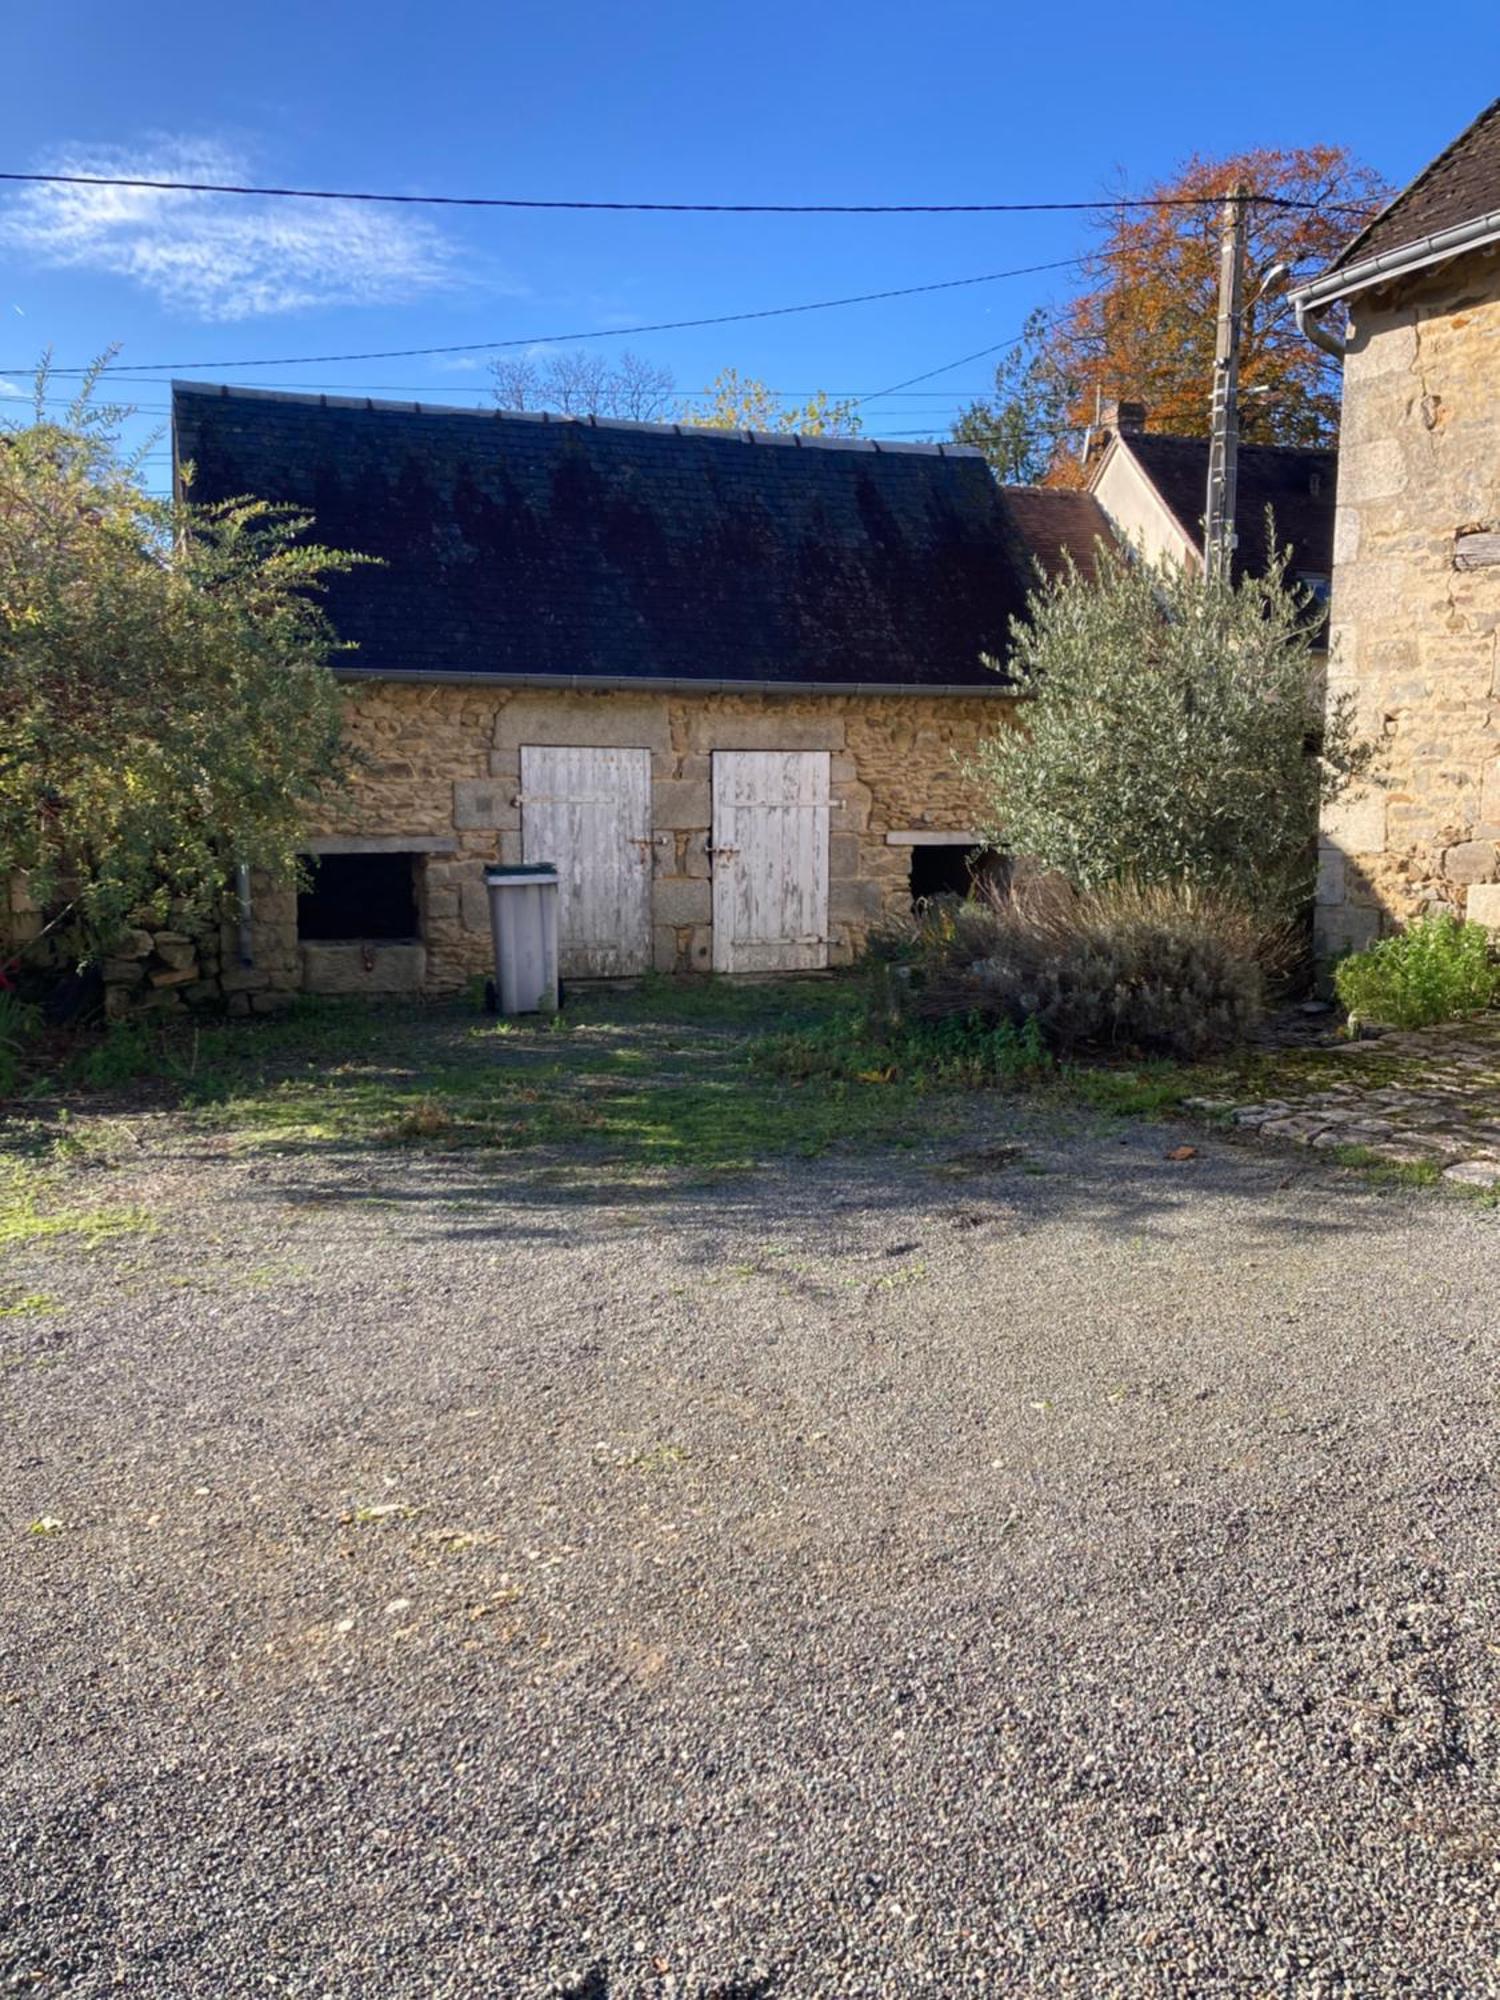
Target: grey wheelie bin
(523, 922)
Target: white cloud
(8, 388)
(222, 257)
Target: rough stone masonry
(440, 763)
(1416, 607)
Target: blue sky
(946, 102)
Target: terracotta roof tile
(1057, 521)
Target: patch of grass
(1145, 1090)
(1394, 1173)
(622, 1090)
(126, 1052)
(33, 1302)
(862, 1045)
(23, 1218)
(652, 1461)
(701, 1001)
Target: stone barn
(725, 681)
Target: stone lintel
(937, 837)
(380, 843)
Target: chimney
(1129, 419)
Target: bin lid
(522, 871)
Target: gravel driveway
(1035, 1567)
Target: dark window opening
(952, 869)
(354, 897)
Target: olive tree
(167, 711)
(1171, 730)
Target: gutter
(1358, 277)
(667, 684)
(1320, 335)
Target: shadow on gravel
(1124, 1186)
(595, 1985)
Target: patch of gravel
(1042, 1568)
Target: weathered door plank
(770, 878)
(588, 812)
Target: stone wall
(440, 768)
(1415, 629)
(154, 966)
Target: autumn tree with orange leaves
(1144, 328)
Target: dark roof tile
(520, 547)
(1296, 483)
(1461, 185)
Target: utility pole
(1224, 428)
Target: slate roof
(1461, 185)
(1054, 521)
(1296, 483)
(526, 547)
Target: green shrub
(1438, 970)
(1165, 969)
(1173, 732)
(19, 1021)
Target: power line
(978, 355)
(596, 333)
(321, 385)
(667, 207)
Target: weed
(1437, 970)
(126, 1052)
(364, 1516)
(908, 1274)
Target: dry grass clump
(426, 1119)
(1167, 970)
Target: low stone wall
(440, 765)
(152, 968)
(1416, 607)
(162, 970)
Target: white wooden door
(588, 812)
(770, 843)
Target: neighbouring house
(1154, 489)
(1416, 575)
(724, 680)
